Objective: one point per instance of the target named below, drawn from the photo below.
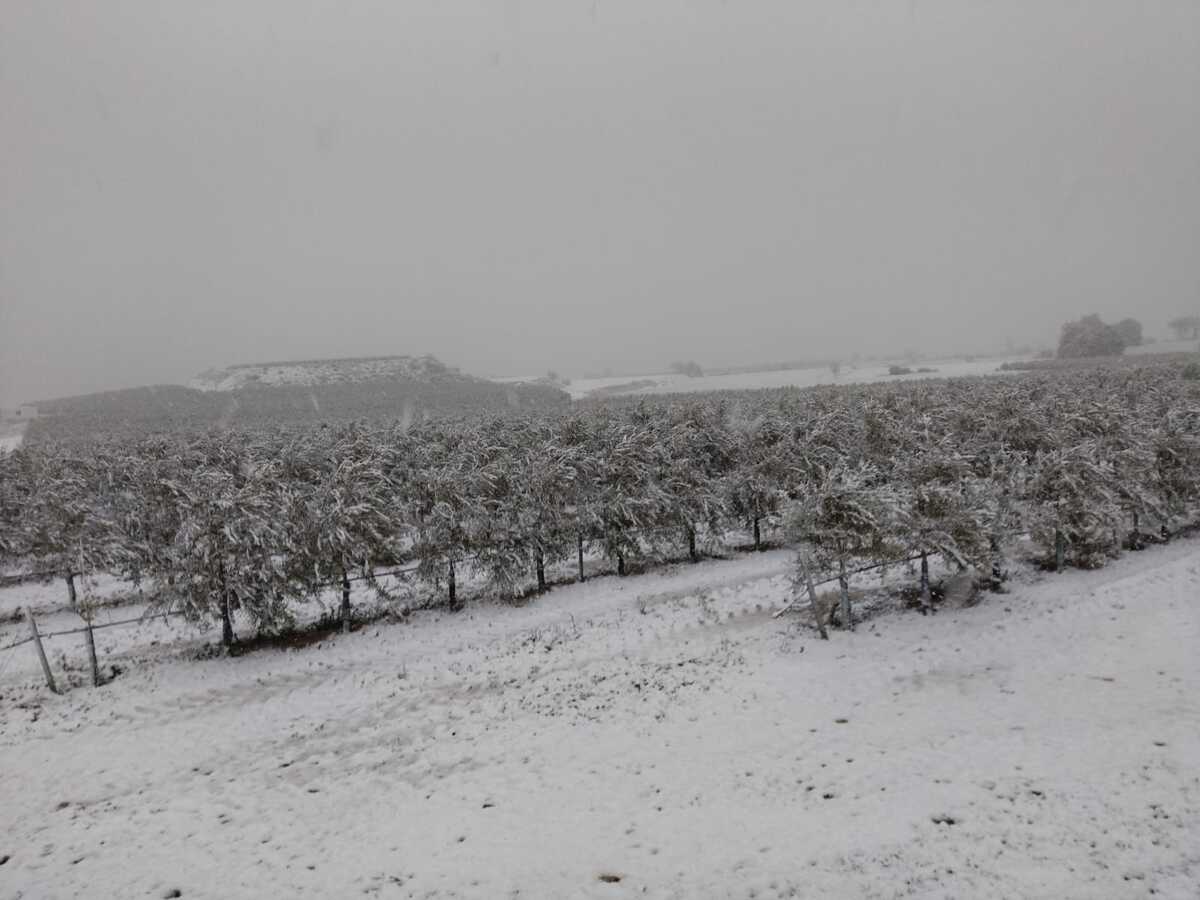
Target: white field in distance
(862, 373)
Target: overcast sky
(515, 185)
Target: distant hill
(313, 372)
(295, 392)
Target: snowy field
(657, 736)
(622, 385)
(1163, 347)
(11, 435)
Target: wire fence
(413, 567)
(90, 627)
(24, 640)
(341, 583)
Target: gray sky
(515, 185)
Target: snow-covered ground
(657, 736)
(11, 435)
(675, 383)
(52, 596)
(1165, 346)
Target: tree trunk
(1060, 550)
(345, 602)
(844, 584)
(757, 535)
(71, 591)
(226, 619)
(579, 538)
(812, 596)
(926, 597)
(691, 537)
(1135, 540)
(541, 571)
(997, 563)
(620, 564)
(453, 587)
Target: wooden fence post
(91, 646)
(812, 595)
(41, 652)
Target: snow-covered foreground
(659, 736)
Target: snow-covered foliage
(258, 521)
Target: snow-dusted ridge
(311, 372)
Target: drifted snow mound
(312, 372)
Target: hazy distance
(517, 185)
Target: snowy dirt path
(659, 736)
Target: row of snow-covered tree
(257, 523)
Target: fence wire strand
(408, 569)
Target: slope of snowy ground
(660, 736)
